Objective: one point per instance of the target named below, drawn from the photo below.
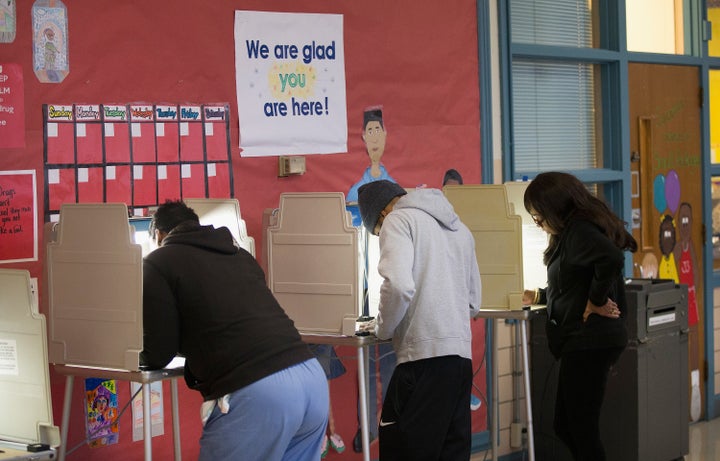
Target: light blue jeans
(281, 417)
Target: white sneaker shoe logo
(388, 423)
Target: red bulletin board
(137, 154)
(18, 216)
(426, 82)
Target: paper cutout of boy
(374, 136)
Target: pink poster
(18, 223)
(12, 108)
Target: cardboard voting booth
(503, 233)
(313, 264)
(509, 248)
(94, 283)
(223, 213)
(26, 418)
(94, 291)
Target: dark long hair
(560, 198)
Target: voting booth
(220, 212)
(94, 288)
(508, 248)
(94, 279)
(26, 419)
(94, 292)
(312, 262)
(315, 263)
(508, 244)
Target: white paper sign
(290, 82)
(8, 357)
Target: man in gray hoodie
(430, 292)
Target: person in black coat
(205, 298)
(586, 303)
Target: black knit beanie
(373, 197)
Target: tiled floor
(705, 441)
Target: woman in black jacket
(585, 300)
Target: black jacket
(205, 298)
(585, 265)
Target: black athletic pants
(426, 412)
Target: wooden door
(665, 104)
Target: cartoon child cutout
(685, 259)
(381, 356)
(686, 262)
(374, 135)
(667, 268)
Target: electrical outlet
(290, 165)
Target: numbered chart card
(50, 41)
(8, 22)
(142, 133)
(191, 133)
(167, 129)
(88, 134)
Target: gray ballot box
(645, 414)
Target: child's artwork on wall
(50, 41)
(102, 412)
(8, 21)
(138, 154)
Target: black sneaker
(357, 440)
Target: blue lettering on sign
(189, 113)
(169, 113)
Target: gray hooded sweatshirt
(431, 286)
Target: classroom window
(555, 116)
(660, 26)
(555, 22)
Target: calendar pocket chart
(140, 154)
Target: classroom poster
(156, 410)
(18, 216)
(290, 83)
(102, 412)
(12, 106)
